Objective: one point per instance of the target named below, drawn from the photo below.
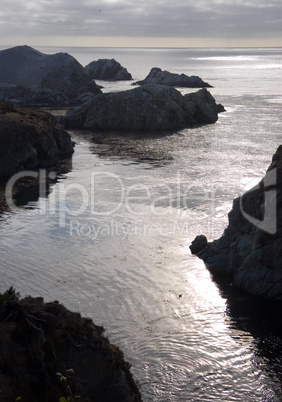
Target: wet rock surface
(250, 249)
(48, 352)
(158, 76)
(30, 139)
(107, 69)
(149, 107)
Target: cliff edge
(250, 250)
(49, 353)
(30, 139)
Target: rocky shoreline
(149, 107)
(29, 77)
(30, 139)
(249, 252)
(49, 353)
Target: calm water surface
(111, 238)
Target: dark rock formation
(250, 249)
(107, 69)
(220, 108)
(157, 76)
(30, 139)
(49, 353)
(198, 244)
(28, 76)
(150, 107)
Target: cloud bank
(236, 19)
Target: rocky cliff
(158, 76)
(107, 69)
(30, 139)
(49, 353)
(250, 249)
(150, 107)
(28, 76)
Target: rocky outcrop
(108, 70)
(157, 76)
(28, 77)
(49, 353)
(250, 249)
(150, 107)
(32, 96)
(30, 139)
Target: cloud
(132, 18)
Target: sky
(135, 23)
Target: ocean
(111, 237)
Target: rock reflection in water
(135, 146)
(27, 190)
(262, 319)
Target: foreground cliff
(250, 249)
(49, 353)
(30, 139)
(150, 107)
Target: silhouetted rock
(30, 139)
(49, 353)
(157, 76)
(150, 107)
(28, 76)
(198, 244)
(107, 69)
(220, 108)
(250, 249)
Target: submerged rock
(49, 353)
(150, 107)
(157, 76)
(30, 139)
(28, 76)
(107, 69)
(250, 249)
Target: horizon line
(149, 47)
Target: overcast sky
(141, 23)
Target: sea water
(111, 236)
